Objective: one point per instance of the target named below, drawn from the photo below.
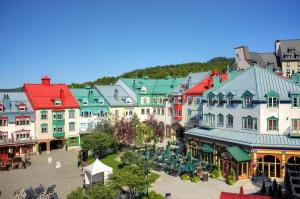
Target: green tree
(77, 194)
(144, 134)
(101, 191)
(130, 158)
(131, 178)
(98, 142)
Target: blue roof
(117, 100)
(11, 105)
(247, 139)
(259, 82)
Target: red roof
(199, 88)
(42, 96)
(226, 195)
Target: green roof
(153, 86)
(207, 148)
(238, 154)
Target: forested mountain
(179, 70)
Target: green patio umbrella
(168, 151)
(189, 166)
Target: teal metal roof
(89, 94)
(247, 139)
(260, 82)
(238, 154)
(153, 86)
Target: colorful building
(57, 114)
(17, 133)
(93, 108)
(250, 123)
(121, 104)
(151, 95)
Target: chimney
(190, 82)
(61, 94)
(116, 94)
(46, 81)
(134, 84)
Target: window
(158, 111)
(220, 101)
(71, 114)
(58, 115)
(3, 121)
(154, 100)
(57, 102)
(142, 111)
(86, 113)
(116, 113)
(229, 101)
(209, 120)
(179, 100)
(178, 113)
(220, 120)
(44, 128)
(272, 124)
(247, 101)
(143, 89)
(144, 100)
(198, 100)
(101, 101)
(296, 101)
(128, 100)
(210, 101)
(148, 111)
(229, 123)
(72, 126)
(3, 136)
(189, 112)
(85, 101)
(58, 129)
(128, 112)
(249, 123)
(296, 125)
(288, 64)
(44, 115)
(22, 121)
(22, 108)
(272, 102)
(162, 111)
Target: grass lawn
(109, 160)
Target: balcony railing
(17, 141)
(58, 134)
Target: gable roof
(153, 86)
(42, 96)
(11, 105)
(260, 82)
(108, 92)
(285, 45)
(84, 93)
(263, 59)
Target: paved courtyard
(207, 190)
(66, 178)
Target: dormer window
(85, 101)
(22, 107)
(247, 99)
(296, 100)
(1, 108)
(101, 101)
(229, 101)
(143, 89)
(220, 99)
(272, 98)
(211, 99)
(57, 102)
(128, 101)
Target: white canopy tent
(96, 172)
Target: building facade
(57, 114)
(250, 123)
(93, 108)
(121, 104)
(17, 134)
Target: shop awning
(238, 154)
(207, 148)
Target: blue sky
(79, 40)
